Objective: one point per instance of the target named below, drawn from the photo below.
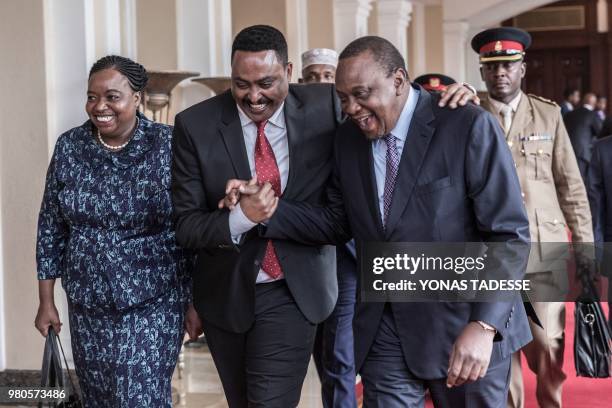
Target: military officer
(553, 193)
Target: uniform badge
(498, 46)
(537, 137)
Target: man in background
(319, 66)
(583, 127)
(601, 107)
(552, 190)
(434, 82)
(571, 99)
(333, 348)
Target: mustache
(260, 101)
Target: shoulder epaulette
(541, 99)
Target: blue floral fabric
(105, 228)
(126, 359)
(105, 224)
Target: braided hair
(135, 73)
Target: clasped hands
(257, 200)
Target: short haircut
(385, 53)
(135, 73)
(261, 38)
(569, 91)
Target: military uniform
(556, 202)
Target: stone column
(204, 37)
(297, 33)
(417, 48)
(455, 38)
(350, 21)
(393, 19)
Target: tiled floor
(200, 386)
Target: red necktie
(267, 171)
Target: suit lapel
(294, 121)
(415, 148)
(231, 131)
(368, 178)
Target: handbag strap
(46, 362)
(66, 362)
(56, 363)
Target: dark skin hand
(258, 202)
(457, 95)
(470, 357)
(193, 323)
(47, 312)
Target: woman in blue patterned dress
(105, 229)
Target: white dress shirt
(276, 133)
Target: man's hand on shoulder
(471, 354)
(458, 95)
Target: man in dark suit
(599, 188)
(260, 300)
(408, 171)
(583, 126)
(571, 98)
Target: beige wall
(156, 34)
(320, 24)
(434, 39)
(23, 163)
(250, 12)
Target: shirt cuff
(239, 223)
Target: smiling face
(370, 97)
(260, 83)
(112, 104)
(503, 79)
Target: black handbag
(592, 344)
(52, 374)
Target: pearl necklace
(121, 146)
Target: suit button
(522, 194)
(510, 143)
(257, 262)
(507, 324)
(540, 152)
(555, 221)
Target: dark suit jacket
(209, 149)
(583, 126)
(456, 183)
(599, 188)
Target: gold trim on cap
(514, 57)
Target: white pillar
(393, 20)
(350, 21)
(107, 23)
(418, 46)
(69, 53)
(128, 29)
(297, 32)
(204, 37)
(472, 64)
(455, 38)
